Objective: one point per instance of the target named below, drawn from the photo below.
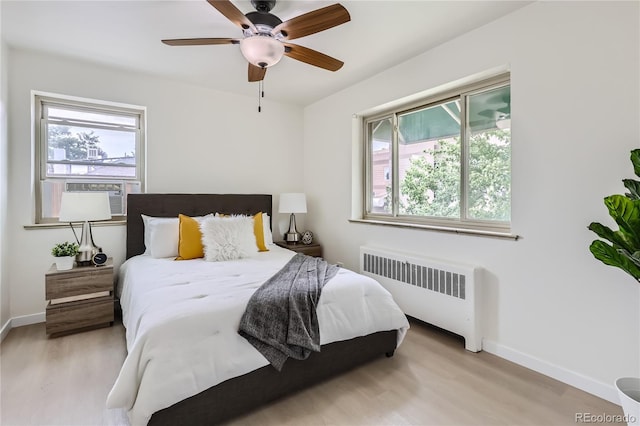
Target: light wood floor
(431, 380)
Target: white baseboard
(20, 321)
(577, 380)
(28, 319)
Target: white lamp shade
(261, 50)
(293, 203)
(84, 206)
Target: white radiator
(445, 294)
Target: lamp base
(87, 247)
(292, 237)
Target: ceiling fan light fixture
(262, 50)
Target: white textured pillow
(228, 238)
(266, 227)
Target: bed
(172, 376)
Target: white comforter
(182, 317)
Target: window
(86, 145)
(444, 161)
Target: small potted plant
(65, 254)
(621, 249)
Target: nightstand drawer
(73, 283)
(79, 314)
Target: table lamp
(85, 207)
(292, 203)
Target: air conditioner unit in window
(117, 190)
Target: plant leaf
(617, 238)
(626, 213)
(614, 237)
(610, 256)
(635, 159)
(635, 257)
(634, 188)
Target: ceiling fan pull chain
(260, 94)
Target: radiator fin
(437, 280)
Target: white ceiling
(127, 34)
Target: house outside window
(86, 145)
(448, 158)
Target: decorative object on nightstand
(307, 237)
(79, 299)
(65, 254)
(292, 203)
(99, 259)
(85, 207)
(313, 249)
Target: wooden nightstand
(79, 299)
(313, 249)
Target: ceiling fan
(266, 38)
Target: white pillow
(161, 235)
(228, 238)
(266, 226)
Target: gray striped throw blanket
(280, 320)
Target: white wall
(198, 140)
(4, 154)
(575, 103)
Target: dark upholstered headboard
(170, 205)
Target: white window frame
(462, 224)
(41, 144)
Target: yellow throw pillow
(258, 230)
(190, 239)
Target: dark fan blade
(313, 22)
(232, 13)
(312, 57)
(256, 73)
(199, 41)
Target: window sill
(76, 224)
(476, 232)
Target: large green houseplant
(621, 249)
